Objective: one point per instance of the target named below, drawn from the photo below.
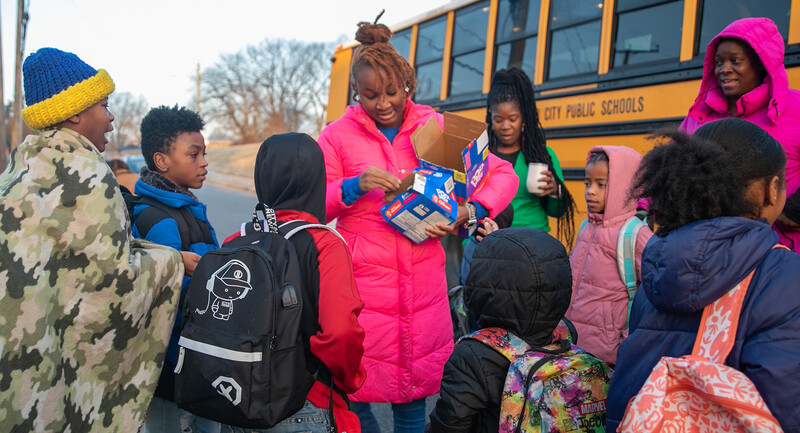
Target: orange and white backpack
(697, 392)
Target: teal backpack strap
(626, 256)
(583, 224)
(506, 343)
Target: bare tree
(128, 110)
(273, 87)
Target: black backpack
(241, 359)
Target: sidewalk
(232, 167)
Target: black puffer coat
(520, 281)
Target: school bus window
(429, 80)
(516, 35)
(402, 42)
(649, 34)
(467, 76)
(430, 49)
(469, 43)
(717, 14)
(575, 37)
(430, 40)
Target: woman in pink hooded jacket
(599, 306)
(744, 76)
(409, 335)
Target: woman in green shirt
(516, 135)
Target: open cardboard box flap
(442, 148)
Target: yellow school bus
(604, 71)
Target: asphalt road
(227, 209)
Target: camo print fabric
(85, 311)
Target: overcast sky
(152, 47)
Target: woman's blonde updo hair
(377, 53)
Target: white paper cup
(535, 171)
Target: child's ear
(772, 191)
(161, 161)
(76, 119)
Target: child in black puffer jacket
(520, 281)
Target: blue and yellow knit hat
(59, 85)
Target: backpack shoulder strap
(626, 257)
(718, 326)
(720, 321)
(565, 330)
(504, 342)
(583, 225)
(305, 226)
(626, 251)
(155, 213)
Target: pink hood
(773, 105)
(763, 36)
(599, 297)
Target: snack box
(429, 201)
(460, 149)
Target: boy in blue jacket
(167, 213)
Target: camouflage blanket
(85, 310)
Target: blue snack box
(429, 201)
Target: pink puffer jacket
(599, 306)
(409, 335)
(773, 105)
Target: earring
(357, 97)
(406, 89)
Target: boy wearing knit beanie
(86, 309)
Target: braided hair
(706, 175)
(513, 85)
(377, 53)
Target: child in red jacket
(290, 178)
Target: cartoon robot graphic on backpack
(229, 283)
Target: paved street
(227, 207)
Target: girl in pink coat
(409, 335)
(599, 306)
(744, 76)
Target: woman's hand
(549, 187)
(190, 260)
(377, 178)
(442, 229)
(488, 226)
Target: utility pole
(3, 144)
(22, 23)
(198, 88)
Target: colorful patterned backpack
(556, 388)
(697, 392)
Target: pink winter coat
(599, 307)
(409, 335)
(773, 105)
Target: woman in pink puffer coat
(744, 76)
(599, 306)
(409, 335)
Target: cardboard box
(429, 202)
(461, 150)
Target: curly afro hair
(378, 53)
(162, 125)
(706, 175)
